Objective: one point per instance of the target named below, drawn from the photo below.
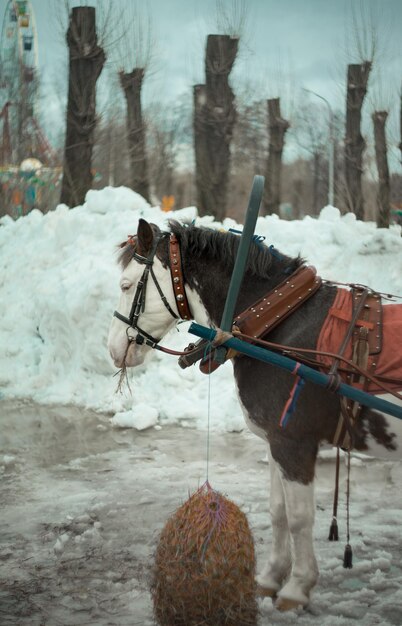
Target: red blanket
(388, 362)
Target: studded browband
(176, 272)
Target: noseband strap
(138, 305)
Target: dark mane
(222, 247)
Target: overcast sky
(287, 44)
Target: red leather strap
(176, 272)
(345, 316)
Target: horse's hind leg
(300, 506)
(279, 563)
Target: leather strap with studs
(265, 314)
(176, 272)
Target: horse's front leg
(300, 508)
(278, 565)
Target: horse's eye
(125, 286)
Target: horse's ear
(145, 237)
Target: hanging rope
(207, 349)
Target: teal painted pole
(241, 259)
(303, 371)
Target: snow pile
(59, 287)
(140, 417)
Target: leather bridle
(138, 305)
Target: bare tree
(164, 128)
(277, 130)
(250, 135)
(110, 156)
(311, 135)
(86, 62)
(5, 150)
(133, 53)
(400, 122)
(383, 195)
(214, 119)
(200, 147)
(131, 83)
(249, 149)
(355, 144)
(232, 17)
(363, 45)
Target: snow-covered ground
(83, 503)
(83, 496)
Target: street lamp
(331, 147)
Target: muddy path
(82, 505)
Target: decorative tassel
(333, 531)
(348, 557)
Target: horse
(150, 305)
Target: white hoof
(286, 604)
(266, 592)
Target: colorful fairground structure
(28, 163)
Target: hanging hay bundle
(205, 565)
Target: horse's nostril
(117, 362)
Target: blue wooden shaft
(242, 253)
(241, 259)
(308, 373)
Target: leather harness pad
(265, 314)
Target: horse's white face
(155, 320)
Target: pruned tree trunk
(131, 83)
(400, 123)
(383, 195)
(85, 65)
(358, 75)
(6, 151)
(277, 129)
(214, 119)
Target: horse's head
(147, 307)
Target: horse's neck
(198, 309)
(208, 287)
